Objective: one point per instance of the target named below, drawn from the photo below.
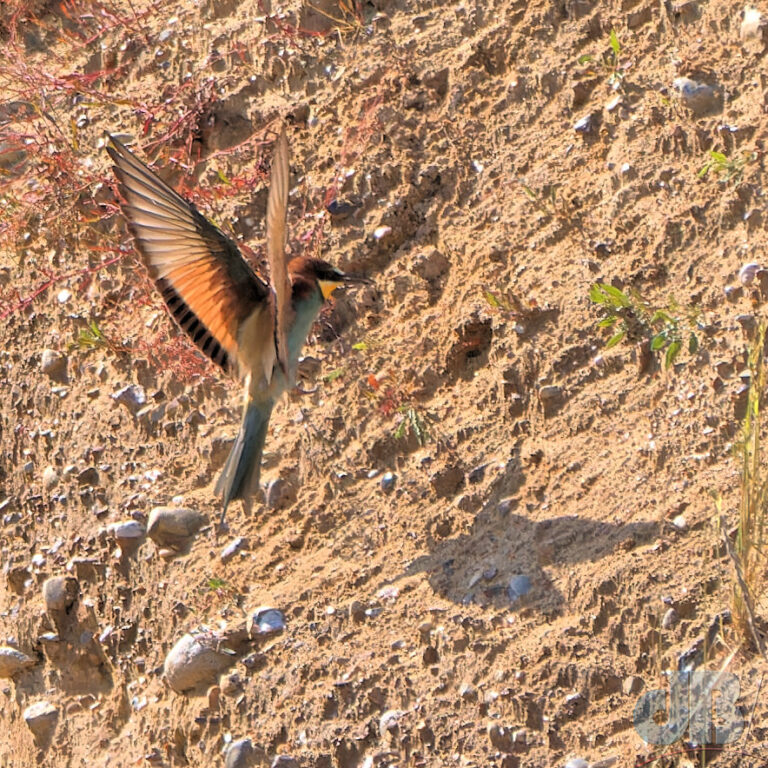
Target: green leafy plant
(391, 398)
(411, 422)
(731, 169)
(629, 317)
(92, 337)
(333, 375)
(609, 64)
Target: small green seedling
(609, 64)
(412, 423)
(629, 317)
(92, 337)
(731, 169)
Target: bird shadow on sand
(476, 566)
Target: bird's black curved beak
(357, 279)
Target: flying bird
(250, 328)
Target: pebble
(380, 232)
(670, 619)
(234, 546)
(576, 762)
(430, 265)
(501, 737)
(281, 493)
(388, 722)
(60, 592)
(129, 535)
(195, 660)
(550, 393)
(519, 586)
(240, 754)
(387, 482)
(698, 97)
(606, 762)
(267, 621)
(340, 209)
(88, 476)
(285, 761)
(133, 397)
(173, 527)
(50, 478)
(584, 125)
(12, 660)
(752, 25)
(748, 273)
(54, 365)
(632, 685)
(41, 719)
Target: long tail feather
(240, 476)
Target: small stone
(234, 546)
(606, 762)
(747, 322)
(576, 762)
(387, 482)
(632, 685)
(680, 522)
(241, 754)
(12, 661)
(748, 273)
(132, 397)
(129, 535)
(501, 737)
(195, 660)
(267, 621)
(50, 478)
(60, 592)
(341, 209)
(670, 619)
(381, 232)
(430, 265)
(174, 527)
(41, 718)
(232, 685)
(280, 494)
(54, 365)
(430, 656)
(447, 481)
(752, 26)
(584, 125)
(389, 722)
(285, 761)
(357, 611)
(519, 586)
(550, 393)
(468, 692)
(733, 292)
(477, 474)
(88, 476)
(700, 98)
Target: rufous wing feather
(207, 285)
(277, 206)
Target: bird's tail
(240, 476)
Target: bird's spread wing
(277, 206)
(206, 283)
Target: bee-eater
(252, 329)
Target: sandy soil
(493, 175)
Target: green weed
(629, 317)
(609, 64)
(730, 169)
